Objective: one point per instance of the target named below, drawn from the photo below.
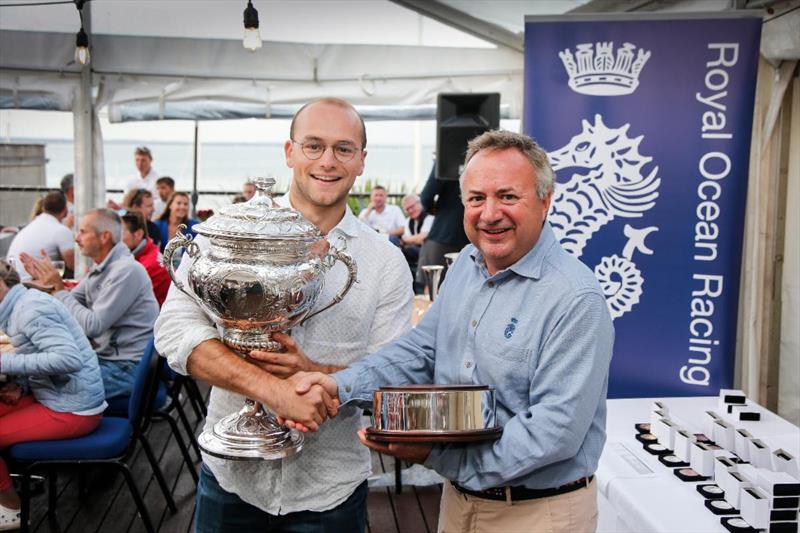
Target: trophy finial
(263, 185)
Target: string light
(82, 54)
(252, 37)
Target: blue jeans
(219, 511)
(118, 376)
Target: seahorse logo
(606, 180)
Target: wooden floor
(108, 506)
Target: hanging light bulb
(82, 54)
(252, 38)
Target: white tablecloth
(642, 493)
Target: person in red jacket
(134, 235)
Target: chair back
(144, 385)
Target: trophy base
(244, 341)
(251, 434)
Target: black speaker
(460, 118)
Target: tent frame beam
(464, 22)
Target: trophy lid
(260, 218)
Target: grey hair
(504, 140)
(410, 196)
(107, 220)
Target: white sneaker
(9, 519)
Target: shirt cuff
(445, 460)
(347, 382)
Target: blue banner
(648, 123)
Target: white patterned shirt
(332, 463)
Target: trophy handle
(179, 241)
(352, 271)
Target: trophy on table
(433, 276)
(262, 273)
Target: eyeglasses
(342, 151)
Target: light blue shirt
(540, 333)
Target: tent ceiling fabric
(146, 78)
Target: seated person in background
(59, 393)
(165, 187)
(175, 214)
(46, 233)
(383, 217)
(417, 227)
(68, 188)
(134, 235)
(113, 303)
(248, 189)
(141, 201)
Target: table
(640, 493)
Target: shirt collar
(119, 250)
(139, 247)
(530, 264)
(48, 216)
(348, 225)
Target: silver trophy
(261, 273)
(433, 276)
(450, 258)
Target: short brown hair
(143, 150)
(135, 221)
(504, 140)
(135, 197)
(8, 274)
(337, 102)
(166, 180)
(54, 203)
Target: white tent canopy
(166, 60)
(206, 78)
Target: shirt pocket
(505, 367)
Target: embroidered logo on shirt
(510, 328)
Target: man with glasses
(324, 487)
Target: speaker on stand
(460, 118)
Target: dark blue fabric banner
(648, 123)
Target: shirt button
(474, 323)
(348, 388)
(468, 364)
(490, 284)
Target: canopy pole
(87, 194)
(194, 171)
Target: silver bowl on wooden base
(434, 413)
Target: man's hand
(42, 271)
(413, 453)
(305, 383)
(289, 362)
(306, 411)
(111, 204)
(10, 393)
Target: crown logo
(600, 73)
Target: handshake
(306, 395)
